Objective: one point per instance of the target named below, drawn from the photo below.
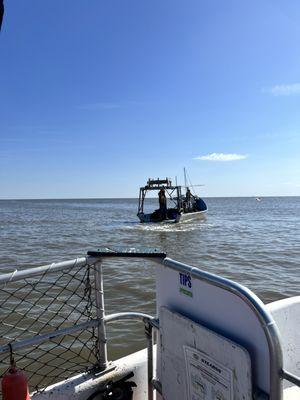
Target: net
(44, 304)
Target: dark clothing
(162, 204)
(162, 199)
(188, 195)
(189, 201)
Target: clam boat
(180, 206)
(211, 338)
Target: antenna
(184, 172)
(192, 186)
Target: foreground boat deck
(216, 339)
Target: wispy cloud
(221, 157)
(283, 90)
(99, 106)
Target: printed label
(207, 379)
(185, 284)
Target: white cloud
(284, 90)
(221, 157)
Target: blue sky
(97, 96)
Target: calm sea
(254, 243)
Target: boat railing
(266, 322)
(53, 320)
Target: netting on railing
(43, 304)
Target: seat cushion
(291, 393)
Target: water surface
(254, 243)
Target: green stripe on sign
(187, 292)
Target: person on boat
(188, 199)
(162, 203)
(188, 194)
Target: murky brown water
(254, 243)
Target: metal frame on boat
(183, 205)
(256, 308)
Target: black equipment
(119, 390)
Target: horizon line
(135, 198)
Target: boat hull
(191, 216)
(182, 217)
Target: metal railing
(101, 320)
(95, 258)
(37, 271)
(277, 372)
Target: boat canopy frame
(156, 185)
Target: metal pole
(100, 310)
(291, 378)
(36, 340)
(139, 207)
(185, 180)
(61, 266)
(123, 316)
(148, 331)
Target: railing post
(100, 310)
(148, 332)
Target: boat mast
(185, 181)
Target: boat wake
(186, 226)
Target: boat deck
(209, 314)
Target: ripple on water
(256, 244)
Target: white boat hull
(185, 217)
